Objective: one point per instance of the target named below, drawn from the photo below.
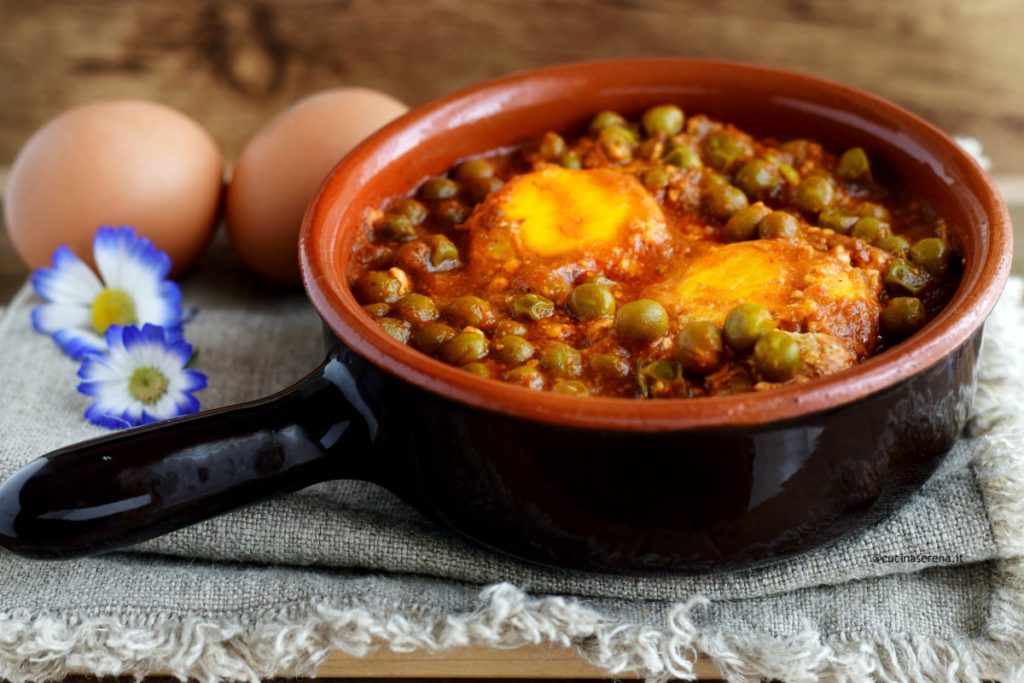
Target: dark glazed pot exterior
(594, 483)
(695, 500)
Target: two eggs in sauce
(147, 165)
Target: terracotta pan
(598, 483)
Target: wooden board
(477, 662)
(234, 63)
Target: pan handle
(114, 491)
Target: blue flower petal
(194, 381)
(113, 246)
(69, 281)
(114, 337)
(187, 405)
(78, 343)
(180, 349)
(90, 388)
(153, 334)
(98, 417)
(131, 337)
(170, 294)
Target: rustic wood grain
(232, 64)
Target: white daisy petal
(50, 318)
(69, 281)
(127, 261)
(77, 343)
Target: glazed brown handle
(111, 492)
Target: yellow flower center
(147, 385)
(112, 307)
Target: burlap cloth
(936, 591)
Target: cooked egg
(803, 288)
(282, 166)
(112, 163)
(601, 218)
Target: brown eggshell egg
(116, 162)
(281, 167)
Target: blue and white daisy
(132, 289)
(140, 378)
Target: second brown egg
(281, 167)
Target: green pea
(724, 148)
(377, 310)
(551, 147)
(777, 356)
(443, 252)
(874, 210)
(617, 142)
(416, 308)
(451, 212)
(837, 219)
(591, 300)
(473, 170)
(561, 360)
(532, 306)
(464, 347)
(745, 324)
(410, 208)
(398, 329)
(655, 178)
(480, 188)
(570, 160)
(509, 326)
(894, 244)
(612, 365)
(683, 157)
(666, 120)
(870, 229)
(378, 286)
(641, 321)
(757, 177)
(933, 254)
(477, 368)
(800, 149)
(699, 347)
(606, 119)
(854, 164)
(430, 337)
(742, 225)
(722, 201)
(436, 189)
(572, 387)
(814, 194)
(471, 311)
(901, 277)
(395, 227)
(526, 376)
(902, 317)
(777, 225)
(513, 349)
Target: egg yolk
(817, 291)
(562, 213)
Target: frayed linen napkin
(934, 592)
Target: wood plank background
(232, 64)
